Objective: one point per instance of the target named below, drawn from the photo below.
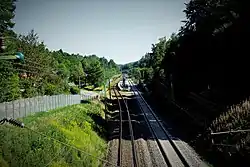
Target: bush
(50, 89)
(74, 90)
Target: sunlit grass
(72, 125)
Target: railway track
(174, 151)
(126, 148)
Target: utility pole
(109, 90)
(105, 103)
(104, 78)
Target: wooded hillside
(44, 72)
(203, 67)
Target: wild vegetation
(44, 72)
(80, 126)
(206, 58)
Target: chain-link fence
(23, 107)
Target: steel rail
(135, 162)
(119, 161)
(178, 152)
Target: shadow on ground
(85, 101)
(100, 125)
(140, 127)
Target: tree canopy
(44, 72)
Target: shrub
(74, 90)
(50, 89)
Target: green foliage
(150, 64)
(94, 71)
(74, 90)
(63, 71)
(135, 73)
(7, 8)
(50, 89)
(98, 70)
(45, 72)
(9, 89)
(72, 125)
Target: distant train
(124, 84)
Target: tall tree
(7, 8)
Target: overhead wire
(21, 125)
(61, 150)
(58, 141)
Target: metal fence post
(40, 103)
(57, 99)
(30, 107)
(13, 109)
(49, 98)
(19, 106)
(51, 103)
(60, 99)
(43, 109)
(32, 104)
(45, 103)
(37, 104)
(5, 109)
(25, 108)
(54, 101)
(67, 99)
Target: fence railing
(23, 107)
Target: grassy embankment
(79, 125)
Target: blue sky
(123, 30)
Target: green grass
(73, 125)
(92, 88)
(89, 87)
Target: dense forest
(44, 72)
(203, 68)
